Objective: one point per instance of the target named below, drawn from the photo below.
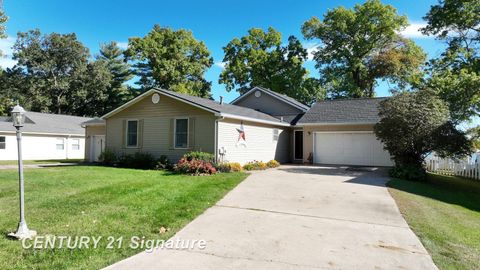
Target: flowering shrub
(194, 167)
(273, 164)
(235, 166)
(255, 165)
(229, 167)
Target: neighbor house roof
(46, 123)
(94, 122)
(223, 110)
(293, 102)
(343, 111)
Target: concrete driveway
(298, 217)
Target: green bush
(197, 155)
(139, 160)
(408, 172)
(164, 163)
(108, 157)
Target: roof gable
(225, 110)
(283, 98)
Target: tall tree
(455, 75)
(53, 74)
(3, 20)
(259, 59)
(360, 46)
(54, 59)
(112, 56)
(171, 59)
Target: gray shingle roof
(222, 108)
(94, 121)
(48, 123)
(361, 110)
(284, 97)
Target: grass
(444, 212)
(100, 201)
(35, 162)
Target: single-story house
(44, 136)
(258, 125)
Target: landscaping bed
(444, 212)
(101, 201)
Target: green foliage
(415, 124)
(3, 20)
(108, 157)
(164, 163)
(460, 90)
(118, 93)
(408, 172)
(207, 157)
(255, 165)
(455, 75)
(224, 167)
(360, 46)
(259, 59)
(172, 60)
(53, 74)
(139, 160)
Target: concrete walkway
(298, 217)
(37, 166)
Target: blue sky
(214, 22)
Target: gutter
(335, 124)
(232, 116)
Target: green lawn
(100, 201)
(444, 212)
(47, 161)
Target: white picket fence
(465, 168)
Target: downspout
(216, 138)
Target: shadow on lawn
(448, 189)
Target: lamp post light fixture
(18, 117)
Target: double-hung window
(132, 133)
(60, 145)
(3, 143)
(75, 144)
(181, 133)
(275, 134)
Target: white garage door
(349, 149)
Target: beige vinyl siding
(156, 128)
(259, 142)
(308, 132)
(89, 132)
(267, 104)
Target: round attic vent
(258, 94)
(155, 98)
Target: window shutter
(170, 134)
(191, 133)
(124, 133)
(140, 133)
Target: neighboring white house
(45, 136)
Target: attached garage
(349, 148)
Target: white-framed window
(60, 144)
(75, 144)
(3, 142)
(132, 133)
(181, 133)
(275, 134)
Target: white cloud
(6, 45)
(311, 49)
(220, 64)
(413, 30)
(122, 45)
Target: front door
(298, 144)
(98, 146)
